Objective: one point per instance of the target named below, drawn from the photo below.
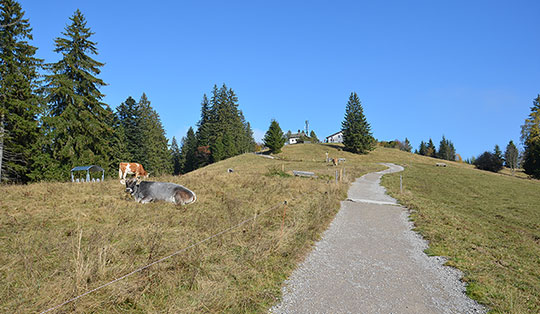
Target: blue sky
(468, 70)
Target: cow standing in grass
(149, 191)
(126, 168)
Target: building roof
(334, 134)
(92, 168)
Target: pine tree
(176, 157)
(129, 115)
(157, 159)
(511, 156)
(497, 151)
(117, 142)
(357, 136)
(274, 139)
(406, 145)
(422, 150)
(313, 137)
(446, 150)
(189, 151)
(530, 136)
(431, 150)
(77, 119)
(19, 100)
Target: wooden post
(400, 184)
(336, 176)
(283, 220)
(341, 175)
(283, 167)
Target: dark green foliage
(488, 161)
(531, 160)
(274, 139)
(222, 128)
(357, 136)
(19, 100)
(431, 150)
(129, 116)
(497, 151)
(176, 157)
(446, 150)
(144, 135)
(511, 156)
(406, 145)
(118, 143)
(422, 150)
(77, 122)
(530, 136)
(154, 145)
(313, 137)
(189, 151)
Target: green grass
(487, 224)
(58, 240)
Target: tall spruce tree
(129, 116)
(511, 156)
(189, 151)
(157, 158)
(222, 127)
(357, 136)
(176, 157)
(422, 150)
(274, 139)
(19, 100)
(530, 136)
(446, 150)
(431, 150)
(76, 120)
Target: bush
(489, 161)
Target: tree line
(54, 121)
(222, 132)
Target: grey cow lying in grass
(149, 191)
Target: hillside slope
(59, 240)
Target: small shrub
(489, 161)
(275, 171)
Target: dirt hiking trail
(370, 261)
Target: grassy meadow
(486, 224)
(59, 240)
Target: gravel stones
(370, 261)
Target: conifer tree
(176, 157)
(313, 137)
(19, 100)
(511, 156)
(431, 150)
(157, 158)
(77, 119)
(274, 139)
(446, 150)
(422, 150)
(129, 116)
(530, 136)
(497, 151)
(189, 151)
(357, 136)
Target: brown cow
(126, 168)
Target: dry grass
(59, 240)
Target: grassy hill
(59, 240)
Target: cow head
(131, 185)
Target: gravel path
(370, 261)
